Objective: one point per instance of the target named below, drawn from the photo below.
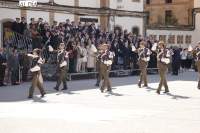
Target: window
(168, 17)
(119, 1)
(89, 20)
(153, 37)
(148, 2)
(188, 39)
(171, 39)
(162, 38)
(120, 7)
(180, 39)
(135, 30)
(168, 1)
(135, 0)
(148, 18)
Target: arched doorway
(6, 28)
(136, 30)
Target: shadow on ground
(20, 92)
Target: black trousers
(15, 76)
(2, 74)
(175, 68)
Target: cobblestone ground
(83, 109)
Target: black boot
(97, 85)
(65, 88)
(43, 94)
(109, 90)
(102, 90)
(56, 88)
(158, 92)
(30, 97)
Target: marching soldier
(105, 66)
(144, 57)
(62, 66)
(163, 59)
(37, 80)
(98, 62)
(196, 53)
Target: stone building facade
(126, 14)
(169, 12)
(186, 32)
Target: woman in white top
(91, 58)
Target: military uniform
(197, 63)
(62, 66)
(98, 62)
(144, 57)
(37, 80)
(163, 59)
(105, 66)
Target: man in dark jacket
(23, 25)
(16, 26)
(13, 62)
(2, 67)
(176, 60)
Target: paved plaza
(83, 109)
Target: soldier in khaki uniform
(144, 57)
(105, 66)
(163, 59)
(196, 54)
(62, 66)
(37, 80)
(98, 62)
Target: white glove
(190, 48)
(154, 47)
(133, 48)
(50, 48)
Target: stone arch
(136, 30)
(4, 25)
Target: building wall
(196, 3)
(195, 33)
(129, 5)
(65, 2)
(89, 3)
(157, 10)
(61, 17)
(43, 1)
(173, 32)
(128, 23)
(37, 14)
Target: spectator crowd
(82, 40)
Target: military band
(104, 61)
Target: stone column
(24, 13)
(104, 19)
(51, 14)
(76, 17)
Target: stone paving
(83, 109)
